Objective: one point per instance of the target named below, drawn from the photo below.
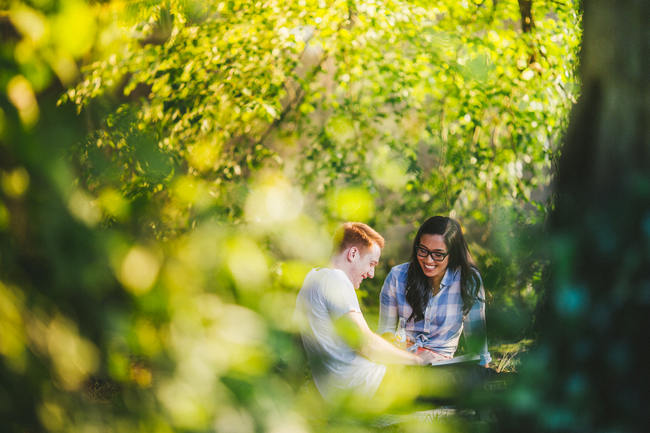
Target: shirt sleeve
(388, 304)
(474, 327)
(340, 298)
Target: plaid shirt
(443, 318)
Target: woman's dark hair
(418, 285)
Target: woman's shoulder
(456, 274)
(396, 278)
(472, 269)
(475, 271)
(399, 271)
(474, 278)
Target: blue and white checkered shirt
(443, 318)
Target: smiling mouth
(430, 267)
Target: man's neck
(339, 262)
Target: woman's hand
(424, 359)
(429, 356)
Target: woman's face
(432, 245)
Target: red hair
(356, 234)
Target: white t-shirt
(326, 295)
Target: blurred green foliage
(171, 170)
(587, 371)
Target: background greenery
(171, 170)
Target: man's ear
(353, 252)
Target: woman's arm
(388, 315)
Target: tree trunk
(526, 12)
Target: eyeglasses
(437, 256)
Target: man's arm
(375, 348)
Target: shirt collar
(450, 277)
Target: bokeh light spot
(15, 182)
(247, 263)
(74, 28)
(231, 420)
(273, 201)
(29, 22)
(303, 239)
(192, 191)
(292, 273)
(12, 336)
(571, 300)
(83, 207)
(51, 415)
(21, 94)
(140, 375)
(114, 204)
(340, 129)
(74, 357)
(204, 155)
(351, 204)
(4, 216)
(139, 270)
(188, 407)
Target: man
(327, 301)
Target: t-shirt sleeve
(340, 298)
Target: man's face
(364, 263)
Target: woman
(437, 295)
